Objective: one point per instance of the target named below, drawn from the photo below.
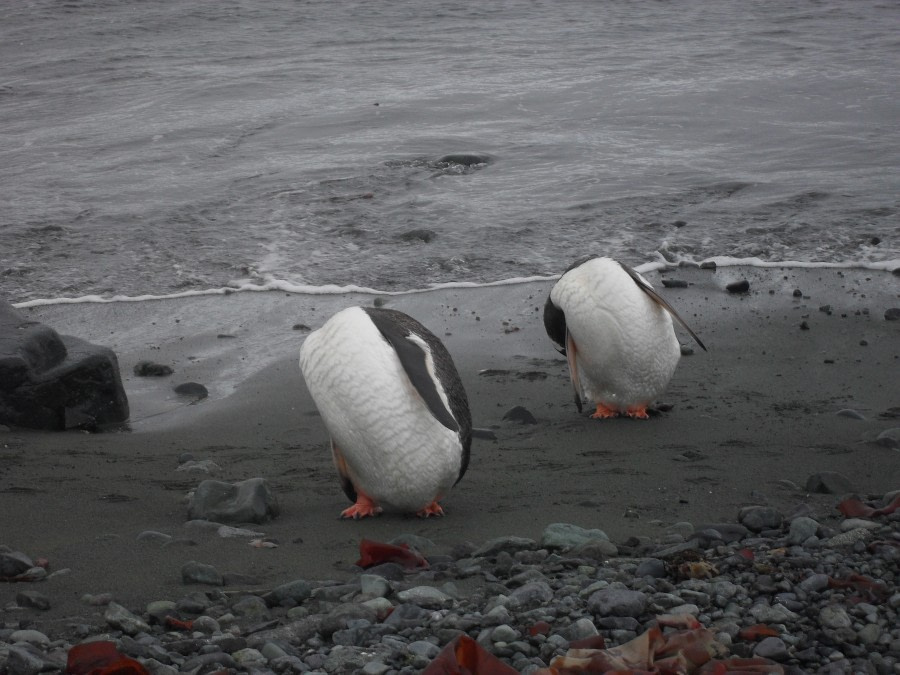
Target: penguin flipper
(413, 360)
(573, 368)
(661, 301)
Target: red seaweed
(464, 656)
(854, 508)
(375, 553)
(177, 624)
(101, 658)
(876, 591)
(757, 632)
(691, 649)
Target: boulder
(55, 382)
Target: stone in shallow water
(465, 159)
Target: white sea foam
(333, 289)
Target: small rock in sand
(151, 369)
(829, 482)
(519, 414)
(249, 501)
(194, 572)
(194, 389)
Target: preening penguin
(394, 406)
(617, 335)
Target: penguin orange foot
(363, 507)
(638, 412)
(433, 509)
(604, 412)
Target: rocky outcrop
(55, 382)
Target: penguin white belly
(627, 350)
(395, 450)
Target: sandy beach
(746, 422)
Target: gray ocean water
(161, 146)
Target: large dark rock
(55, 382)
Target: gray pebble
(651, 567)
(829, 482)
(617, 602)
(193, 572)
(124, 620)
(425, 596)
(801, 529)
(32, 599)
(833, 616)
(772, 648)
(758, 518)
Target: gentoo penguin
(616, 333)
(394, 407)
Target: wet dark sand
(749, 422)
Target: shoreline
(750, 421)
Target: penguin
(617, 335)
(394, 407)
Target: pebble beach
(724, 506)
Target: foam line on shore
(333, 289)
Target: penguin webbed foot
(363, 507)
(638, 412)
(604, 412)
(433, 509)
